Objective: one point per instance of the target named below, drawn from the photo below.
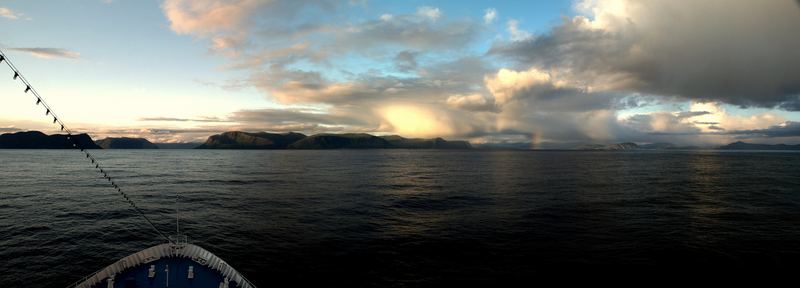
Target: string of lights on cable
(76, 141)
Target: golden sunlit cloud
(718, 117)
(507, 83)
(414, 121)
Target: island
(39, 140)
(739, 145)
(292, 140)
(246, 140)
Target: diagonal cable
(75, 143)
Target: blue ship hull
(167, 265)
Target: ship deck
(167, 265)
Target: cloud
(171, 119)
(775, 134)
(9, 129)
(713, 114)
(197, 129)
(705, 123)
(786, 129)
(205, 17)
(489, 15)
(411, 31)
(10, 14)
(305, 120)
(690, 114)
(159, 135)
(740, 52)
(662, 123)
(258, 33)
(309, 87)
(295, 116)
(416, 120)
(791, 104)
(419, 73)
(431, 13)
(50, 53)
(406, 61)
(516, 33)
(508, 84)
(472, 102)
(437, 80)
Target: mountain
(618, 146)
(264, 140)
(505, 146)
(739, 145)
(245, 140)
(634, 146)
(291, 140)
(341, 141)
(39, 140)
(658, 146)
(667, 146)
(125, 143)
(420, 143)
(178, 145)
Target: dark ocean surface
(405, 218)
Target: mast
(177, 218)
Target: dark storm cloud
(740, 52)
(788, 129)
(791, 105)
(690, 114)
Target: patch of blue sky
(749, 111)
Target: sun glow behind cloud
(415, 121)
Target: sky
(548, 74)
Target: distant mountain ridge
(618, 146)
(234, 140)
(39, 140)
(291, 140)
(125, 143)
(739, 145)
(246, 140)
(341, 141)
(421, 143)
(190, 145)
